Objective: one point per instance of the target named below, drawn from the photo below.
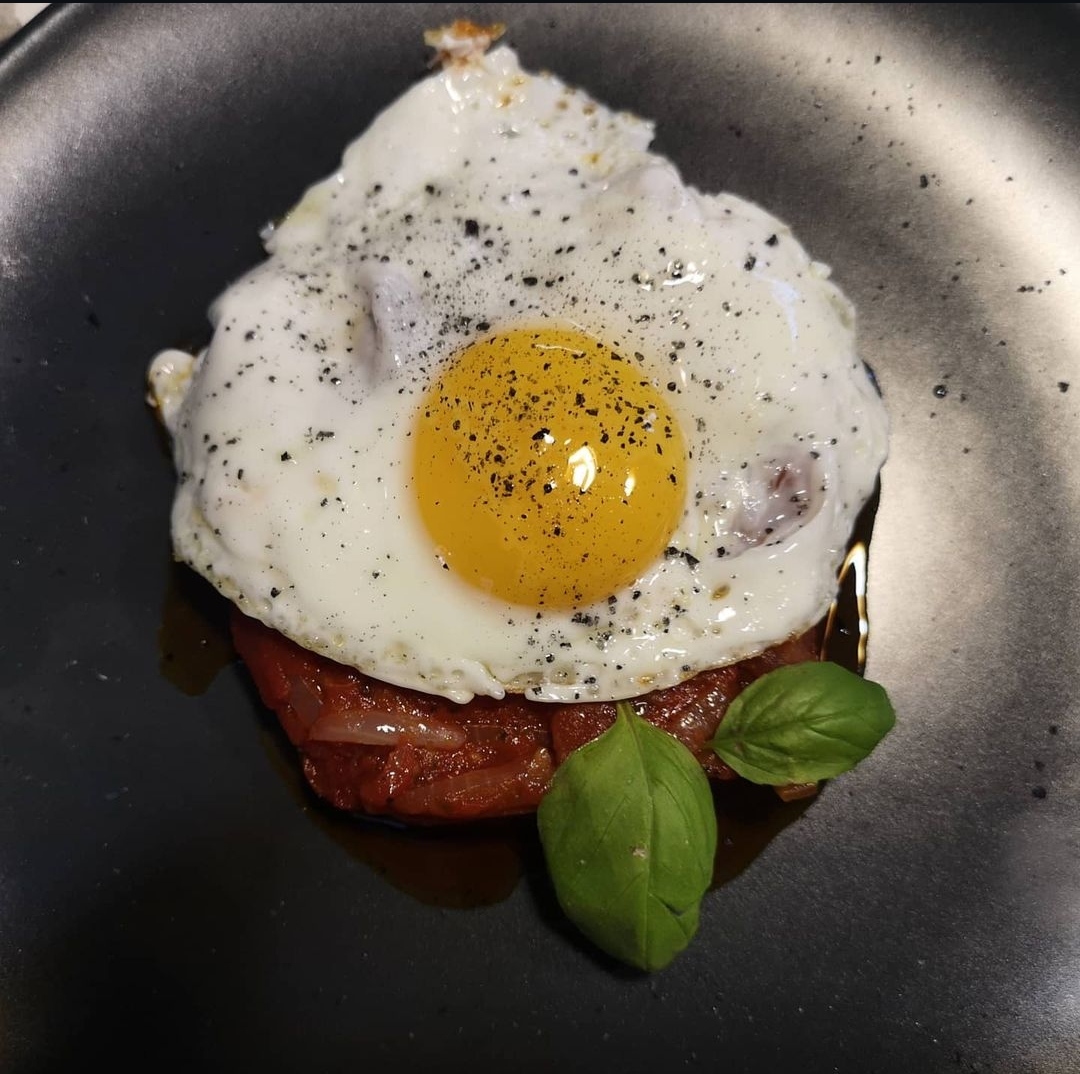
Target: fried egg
(510, 407)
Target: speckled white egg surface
(490, 204)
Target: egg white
(487, 198)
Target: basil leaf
(802, 723)
(629, 832)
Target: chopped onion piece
(522, 781)
(387, 729)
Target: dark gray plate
(171, 899)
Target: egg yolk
(548, 469)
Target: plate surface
(167, 889)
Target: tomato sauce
(371, 747)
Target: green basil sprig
(629, 832)
(802, 723)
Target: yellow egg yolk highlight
(549, 470)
